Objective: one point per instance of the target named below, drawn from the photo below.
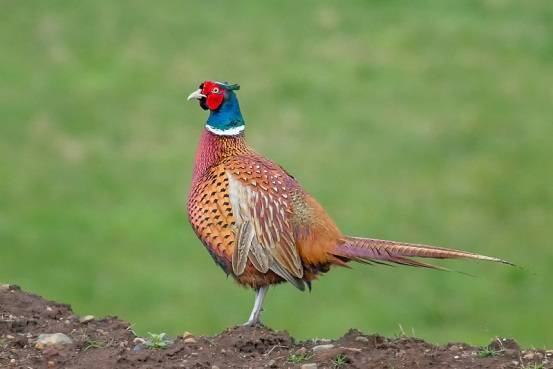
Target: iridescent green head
(219, 98)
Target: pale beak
(196, 95)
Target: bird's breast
(211, 217)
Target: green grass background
(426, 121)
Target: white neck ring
(225, 132)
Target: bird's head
(219, 98)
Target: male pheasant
(259, 224)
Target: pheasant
(259, 224)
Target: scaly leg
(257, 306)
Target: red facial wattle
(214, 101)
(215, 95)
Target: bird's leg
(257, 306)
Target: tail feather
(371, 250)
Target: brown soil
(110, 343)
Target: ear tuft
(231, 86)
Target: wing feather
(259, 258)
(272, 245)
(244, 238)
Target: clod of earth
(108, 343)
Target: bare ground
(110, 343)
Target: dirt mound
(85, 342)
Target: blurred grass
(424, 122)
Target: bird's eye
(215, 90)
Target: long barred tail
(369, 250)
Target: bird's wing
(261, 207)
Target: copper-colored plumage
(237, 195)
(262, 227)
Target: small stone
(309, 366)
(54, 339)
(10, 337)
(139, 340)
(456, 357)
(186, 334)
(515, 363)
(4, 287)
(214, 367)
(529, 356)
(320, 348)
(190, 340)
(352, 349)
(51, 364)
(86, 318)
(361, 339)
(301, 351)
(12, 361)
(271, 363)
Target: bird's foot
(257, 308)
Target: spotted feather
(257, 201)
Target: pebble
(361, 339)
(53, 339)
(271, 363)
(190, 340)
(319, 348)
(309, 366)
(352, 349)
(51, 364)
(214, 367)
(87, 318)
(186, 334)
(4, 287)
(301, 350)
(529, 356)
